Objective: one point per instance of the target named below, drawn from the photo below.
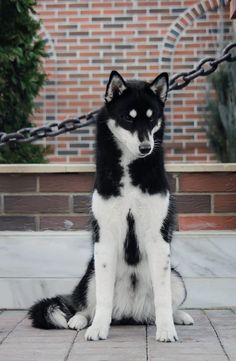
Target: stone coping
(86, 234)
(90, 168)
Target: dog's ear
(159, 86)
(115, 86)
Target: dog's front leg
(105, 269)
(158, 252)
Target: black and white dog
(129, 278)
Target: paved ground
(212, 338)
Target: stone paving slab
(124, 343)
(211, 338)
(224, 324)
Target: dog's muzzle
(145, 148)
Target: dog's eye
(127, 118)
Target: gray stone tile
(124, 343)
(42, 351)
(224, 323)
(8, 321)
(197, 342)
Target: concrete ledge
(90, 168)
(41, 264)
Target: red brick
(17, 223)
(193, 203)
(150, 19)
(17, 183)
(225, 203)
(62, 223)
(81, 182)
(209, 222)
(82, 203)
(36, 204)
(207, 182)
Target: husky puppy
(129, 278)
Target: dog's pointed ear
(160, 85)
(115, 86)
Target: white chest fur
(149, 212)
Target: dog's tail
(51, 312)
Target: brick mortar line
(204, 193)
(37, 223)
(86, 214)
(208, 214)
(1, 203)
(40, 278)
(71, 203)
(86, 193)
(37, 183)
(44, 214)
(52, 193)
(177, 183)
(217, 335)
(212, 203)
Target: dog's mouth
(140, 155)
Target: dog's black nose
(144, 148)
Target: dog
(129, 278)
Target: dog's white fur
(153, 299)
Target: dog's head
(135, 111)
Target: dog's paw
(95, 333)
(77, 322)
(166, 332)
(182, 318)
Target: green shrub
(221, 115)
(21, 76)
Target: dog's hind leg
(179, 294)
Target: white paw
(166, 332)
(58, 318)
(97, 332)
(182, 318)
(77, 322)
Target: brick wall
(87, 39)
(61, 201)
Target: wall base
(42, 264)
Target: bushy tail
(51, 312)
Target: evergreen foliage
(21, 75)
(221, 115)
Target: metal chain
(179, 81)
(205, 67)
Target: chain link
(205, 67)
(179, 81)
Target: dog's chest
(132, 208)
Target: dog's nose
(144, 148)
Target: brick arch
(45, 35)
(179, 25)
(187, 107)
